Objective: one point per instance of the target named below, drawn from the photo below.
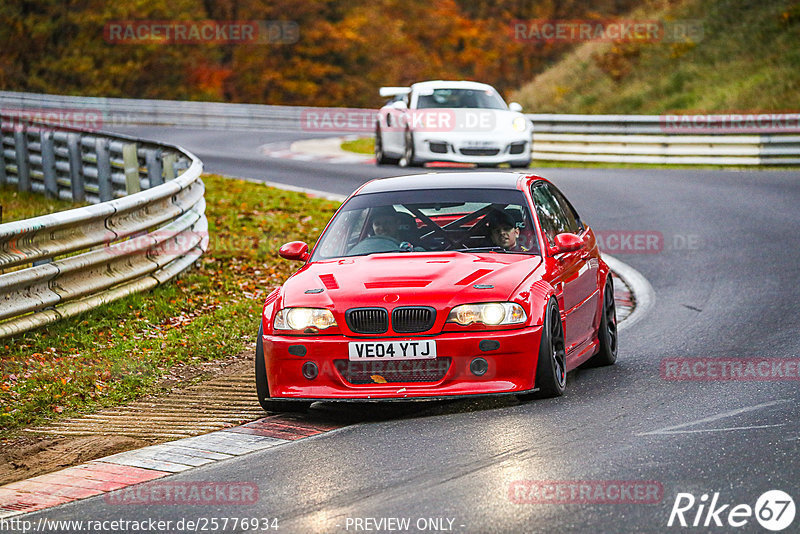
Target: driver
(385, 222)
(503, 230)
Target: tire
(262, 387)
(607, 334)
(551, 369)
(409, 159)
(380, 157)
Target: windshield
(461, 98)
(436, 220)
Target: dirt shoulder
(196, 399)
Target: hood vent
(329, 281)
(395, 284)
(480, 273)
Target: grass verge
(16, 205)
(122, 351)
(362, 145)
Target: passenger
(503, 231)
(392, 231)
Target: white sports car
(451, 121)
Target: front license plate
(361, 351)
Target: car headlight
(519, 124)
(302, 318)
(490, 313)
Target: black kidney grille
(358, 373)
(413, 319)
(367, 320)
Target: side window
(344, 234)
(551, 217)
(573, 221)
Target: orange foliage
(344, 50)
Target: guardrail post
(76, 167)
(103, 169)
(3, 179)
(169, 160)
(153, 159)
(49, 163)
(130, 164)
(23, 170)
(2, 156)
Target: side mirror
(513, 106)
(296, 250)
(399, 104)
(568, 243)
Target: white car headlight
(302, 318)
(490, 313)
(519, 124)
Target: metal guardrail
(663, 139)
(108, 113)
(144, 225)
(576, 138)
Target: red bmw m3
(438, 286)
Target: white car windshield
(460, 98)
(477, 220)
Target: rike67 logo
(774, 510)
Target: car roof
(445, 180)
(451, 84)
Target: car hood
(403, 279)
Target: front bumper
(511, 367)
(467, 150)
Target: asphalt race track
(726, 286)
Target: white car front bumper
(482, 148)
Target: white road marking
(712, 429)
(287, 187)
(279, 154)
(673, 429)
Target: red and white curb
(143, 465)
(636, 298)
(328, 150)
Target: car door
(585, 286)
(574, 275)
(394, 125)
